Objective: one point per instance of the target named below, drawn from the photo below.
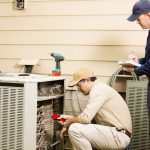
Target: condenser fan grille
(11, 118)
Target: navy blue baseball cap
(139, 8)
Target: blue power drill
(58, 58)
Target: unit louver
(11, 118)
(136, 98)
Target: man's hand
(65, 117)
(62, 132)
(128, 68)
(68, 121)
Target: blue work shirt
(145, 62)
(145, 70)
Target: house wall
(88, 33)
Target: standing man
(141, 14)
(113, 127)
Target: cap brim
(132, 17)
(72, 83)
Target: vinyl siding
(89, 33)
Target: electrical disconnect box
(27, 102)
(20, 4)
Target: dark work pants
(148, 104)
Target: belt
(125, 132)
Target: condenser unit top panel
(16, 77)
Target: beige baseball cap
(79, 75)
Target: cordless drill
(58, 58)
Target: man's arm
(68, 121)
(142, 70)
